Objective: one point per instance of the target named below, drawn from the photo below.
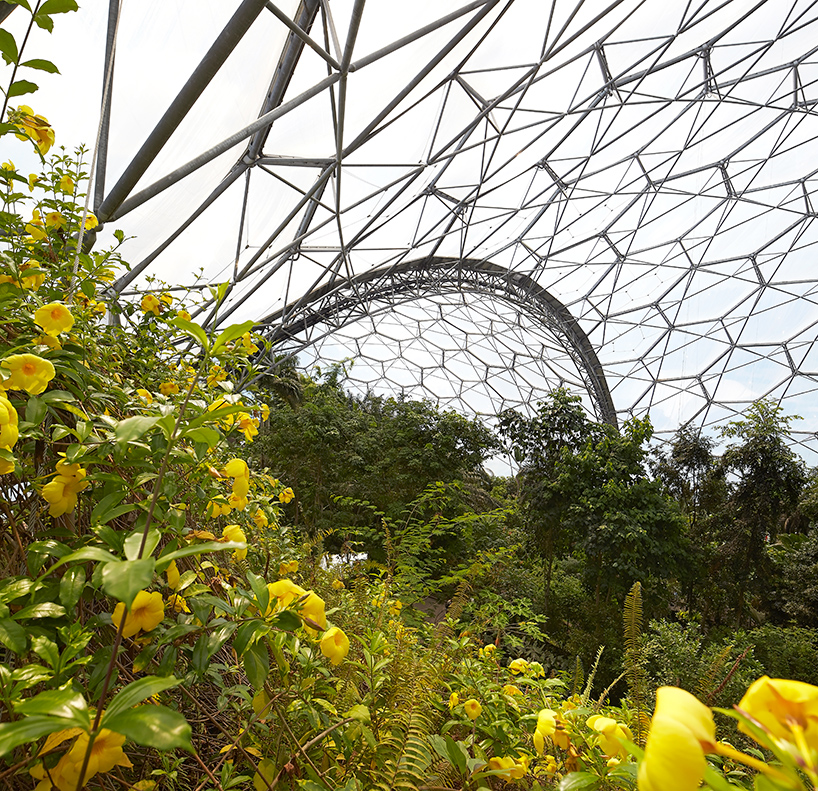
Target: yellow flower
(454, 700)
(472, 709)
(54, 220)
(681, 732)
(247, 425)
(508, 767)
(91, 221)
(312, 607)
(33, 127)
(546, 722)
(28, 372)
(237, 502)
(33, 178)
(106, 753)
(217, 374)
(338, 585)
(8, 423)
(172, 573)
(61, 492)
(236, 468)
(151, 304)
(146, 613)
(287, 567)
(518, 666)
(178, 603)
(145, 395)
(781, 705)
(260, 518)
(610, 733)
(36, 228)
(66, 184)
(54, 318)
(235, 533)
(247, 343)
(286, 495)
(47, 340)
(216, 508)
(168, 388)
(511, 690)
(335, 645)
(265, 412)
(166, 299)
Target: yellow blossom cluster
(33, 127)
(509, 767)
(310, 605)
(61, 492)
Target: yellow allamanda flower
(335, 645)
(287, 567)
(286, 496)
(8, 423)
(54, 318)
(33, 127)
(681, 732)
(787, 709)
(145, 614)
(61, 492)
(260, 518)
(66, 184)
(472, 708)
(235, 533)
(151, 304)
(168, 388)
(247, 425)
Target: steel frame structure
(636, 180)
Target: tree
(766, 479)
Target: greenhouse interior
(413, 397)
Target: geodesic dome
(477, 201)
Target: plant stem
(19, 56)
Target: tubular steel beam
(225, 43)
(311, 43)
(290, 55)
(267, 118)
(107, 93)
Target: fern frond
(607, 691)
(706, 684)
(586, 695)
(635, 659)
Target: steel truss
(634, 179)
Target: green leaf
(287, 621)
(12, 635)
(203, 434)
(20, 87)
(230, 334)
(35, 410)
(260, 590)
(197, 549)
(248, 633)
(66, 703)
(86, 553)
(8, 47)
(72, 585)
(42, 65)
(47, 609)
(576, 781)
(58, 6)
(153, 726)
(360, 713)
(13, 734)
(134, 427)
(257, 664)
(108, 508)
(136, 692)
(192, 329)
(134, 541)
(57, 395)
(124, 579)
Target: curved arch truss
(327, 311)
